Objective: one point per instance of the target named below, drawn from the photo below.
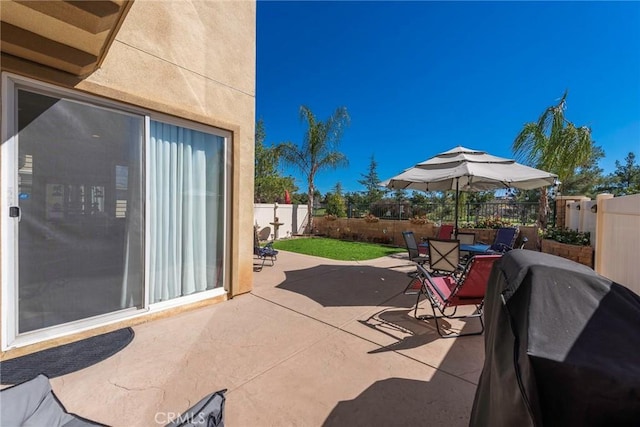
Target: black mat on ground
(65, 359)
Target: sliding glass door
(186, 194)
(80, 233)
(106, 211)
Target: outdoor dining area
(544, 364)
(536, 350)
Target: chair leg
(436, 319)
(263, 258)
(415, 310)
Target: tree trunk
(543, 209)
(310, 208)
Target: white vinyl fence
(614, 225)
(291, 219)
(617, 249)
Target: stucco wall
(196, 60)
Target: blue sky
(419, 78)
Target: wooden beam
(31, 46)
(91, 16)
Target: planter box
(581, 254)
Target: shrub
(488, 222)
(419, 220)
(336, 206)
(571, 237)
(371, 218)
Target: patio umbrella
(465, 169)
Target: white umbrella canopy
(465, 169)
(471, 170)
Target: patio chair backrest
(466, 238)
(264, 234)
(473, 282)
(445, 231)
(505, 239)
(444, 255)
(411, 244)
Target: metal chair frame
(263, 252)
(412, 249)
(424, 284)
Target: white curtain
(186, 205)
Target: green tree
(477, 197)
(420, 198)
(400, 195)
(357, 203)
(553, 144)
(269, 185)
(373, 192)
(526, 195)
(626, 178)
(588, 179)
(335, 202)
(318, 150)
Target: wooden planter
(581, 254)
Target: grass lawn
(336, 249)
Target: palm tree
(553, 144)
(318, 150)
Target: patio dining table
(475, 249)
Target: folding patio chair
(445, 292)
(264, 234)
(444, 256)
(505, 240)
(413, 250)
(445, 232)
(466, 239)
(263, 252)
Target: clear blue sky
(419, 78)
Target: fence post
(600, 198)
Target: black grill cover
(562, 346)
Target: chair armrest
(425, 273)
(429, 278)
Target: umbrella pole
(455, 228)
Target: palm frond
(334, 160)
(528, 144)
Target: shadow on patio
(296, 351)
(399, 402)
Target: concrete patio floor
(316, 343)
